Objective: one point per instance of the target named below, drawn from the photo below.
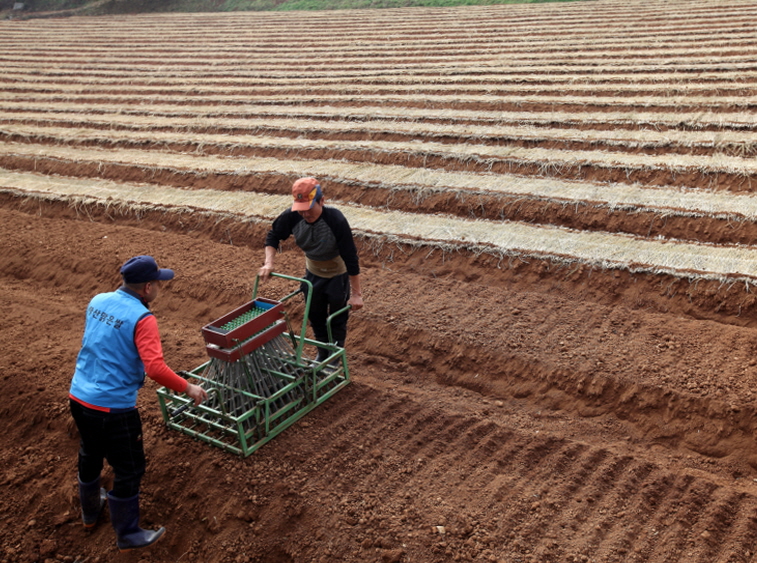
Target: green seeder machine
(257, 379)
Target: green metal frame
(314, 383)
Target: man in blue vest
(121, 344)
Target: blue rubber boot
(124, 515)
(92, 498)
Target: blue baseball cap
(141, 269)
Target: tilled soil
(492, 415)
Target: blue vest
(109, 371)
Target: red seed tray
(233, 354)
(214, 334)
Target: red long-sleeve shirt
(147, 339)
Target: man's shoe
(92, 498)
(124, 515)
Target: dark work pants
(329, 295)
(115, 437)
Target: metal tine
(212, 373)
(276, 364)
(225, 377)
(247, 403)
(255, 369)
(281, 383)
(230, 377)
(236, 380)
(288, 351)
(264, 390)
(233, 376)
(244, 381)
(247, 381)
(271, 363)
(283, 350)
(251, 384)
(269, 366)
(236, 399)
(261, 367)
(280, 349)
(306, 365)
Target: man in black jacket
(331, 259)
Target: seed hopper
(258, 380)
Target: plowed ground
(504, 406)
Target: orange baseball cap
(305, 192)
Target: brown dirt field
(502, 408)
(533, 417)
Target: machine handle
(331, 316)
(176, 412)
